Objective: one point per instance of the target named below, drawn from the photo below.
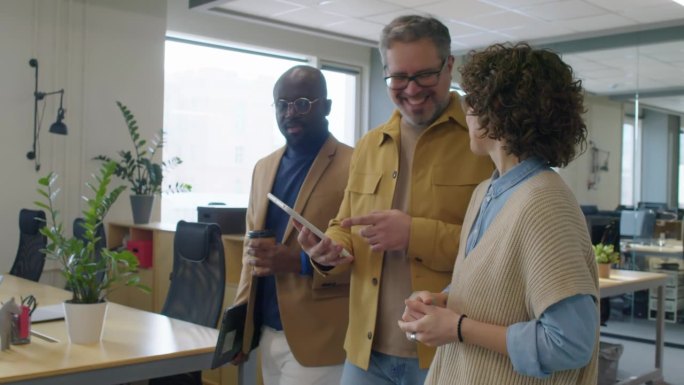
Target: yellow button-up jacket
(443, 176)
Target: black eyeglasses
(301, 106)
(423, 79)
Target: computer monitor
(637, 224)
(597, 226)
(589, 209)
(655, 206)
(231, 220)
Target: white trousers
(279, 366)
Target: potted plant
(605, 256)
(90, 273)
(139, 168)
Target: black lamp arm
(38, 96)
(42, 95)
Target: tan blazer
(314, 309)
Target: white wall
(604, 123)
(99, 51)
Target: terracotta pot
(604, 270)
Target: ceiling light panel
(359, 8)
(563, 10)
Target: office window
(343, 85)
(680, 190)
(219, 119)
(630, 180)
(627, 181)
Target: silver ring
(412, 337)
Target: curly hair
(410, 28)
(527, 98)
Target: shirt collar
(453, 112)
(514, 176)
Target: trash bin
(609, 356)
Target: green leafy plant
(138, 167)
(90, 273)
(606, 254)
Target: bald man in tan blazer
(309, 309)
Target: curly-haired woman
(522, 305)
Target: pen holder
(21, 326)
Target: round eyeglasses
(423, 79)
(301, 106)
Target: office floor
(638, 357)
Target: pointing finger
(360, 220)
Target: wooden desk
(626, 281)
(135, 345)
(157, 276)
(672, 249)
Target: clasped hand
(426, 315)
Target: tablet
(295, 215)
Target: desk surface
(671, 247)
(135, 345)
(624, 281)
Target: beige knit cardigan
(535, 253)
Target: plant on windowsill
(139, 168)
(91, 272)
(605, 256)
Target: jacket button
(370, 335)
(394, 174)
(375, 281)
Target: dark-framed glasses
(301, 106)
(423, 79)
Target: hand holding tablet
(297, 217)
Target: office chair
(611, 234)
(198, 280)
(30, 257)
(79, 232)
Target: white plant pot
(85, 322)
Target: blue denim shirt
(563, 337)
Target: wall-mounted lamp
(58, 127)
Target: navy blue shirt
(293, 168)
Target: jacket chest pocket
(454, 185)
(363, 192)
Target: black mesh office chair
(198, 280)
(79, 232)
(30, 257)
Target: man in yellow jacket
(409, 184)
